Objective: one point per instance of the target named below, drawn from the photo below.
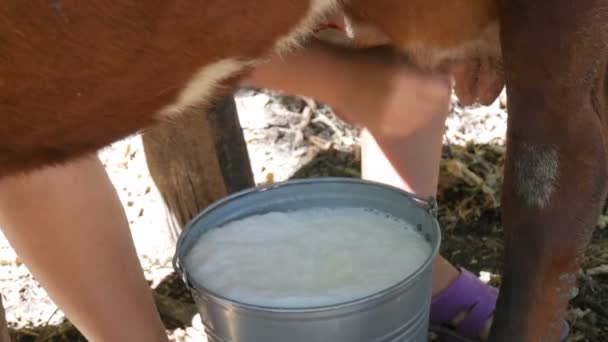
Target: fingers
(416, 101)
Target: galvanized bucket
(399, 313)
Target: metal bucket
(399, 313)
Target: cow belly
(76, 79)
(202, 86)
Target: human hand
(390, 96)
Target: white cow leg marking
(535, 172)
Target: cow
(74, 78)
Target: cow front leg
(556, 172)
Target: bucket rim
(427, 204)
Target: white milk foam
(307, 258)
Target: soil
(290, 137)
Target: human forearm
(318, 71)
(361, 85)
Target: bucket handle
(429, 203)
(177, 266)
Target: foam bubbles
(307, 258)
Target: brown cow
(74, 78)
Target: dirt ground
(291, 137)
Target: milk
(307, 258)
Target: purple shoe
(466, 294)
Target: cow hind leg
(198, 158)
(556, 175)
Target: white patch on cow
(202, 85)
(319, 9)
(535, 172)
